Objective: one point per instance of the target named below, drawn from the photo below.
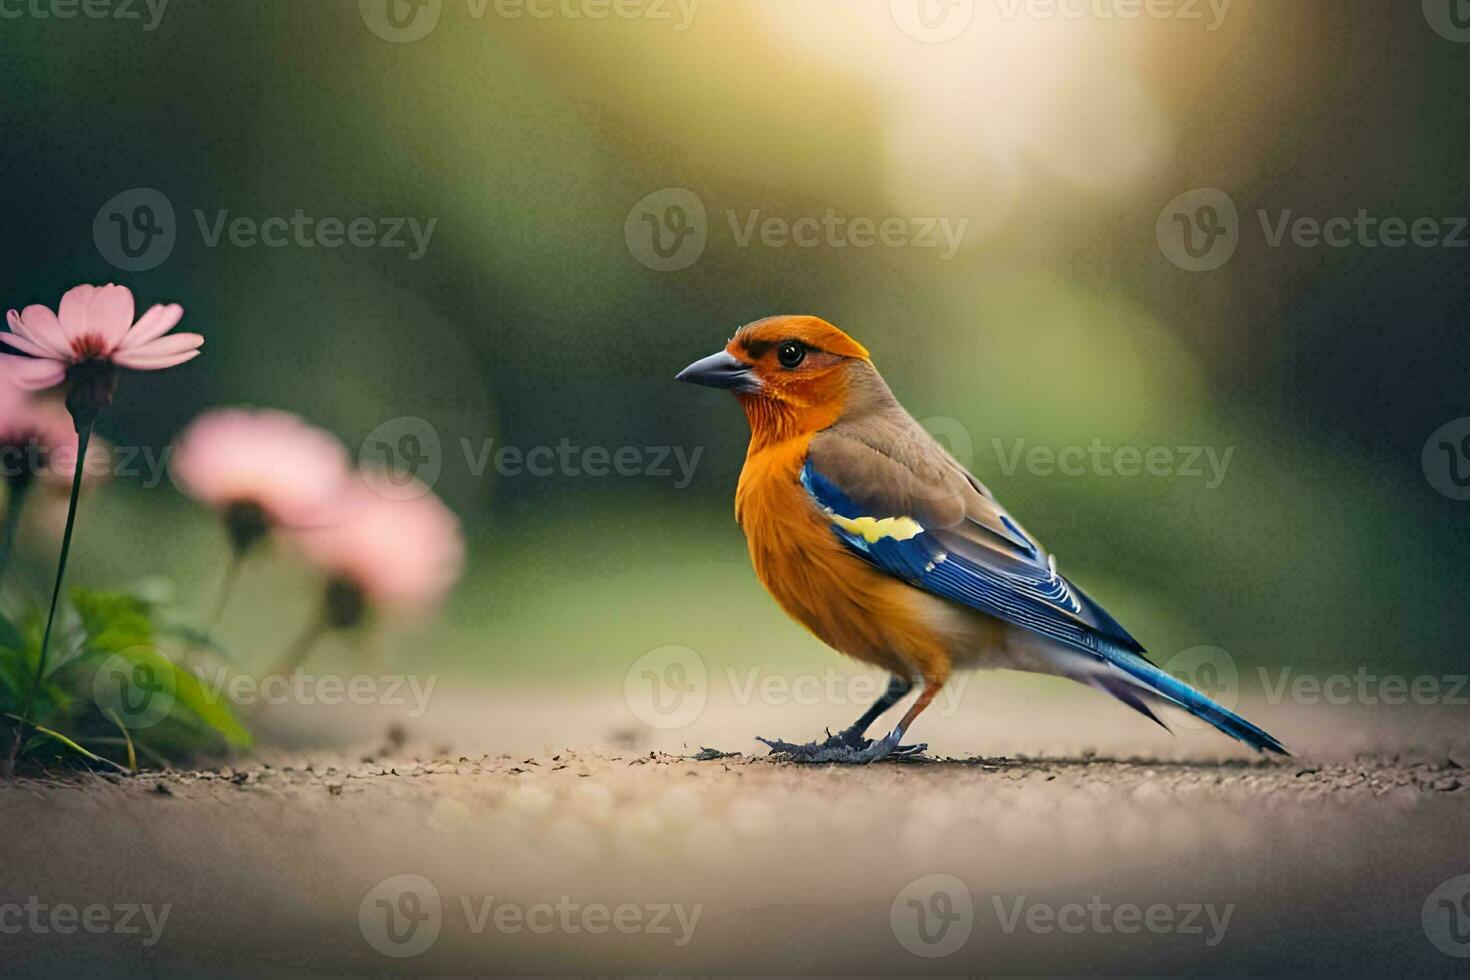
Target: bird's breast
(843, 600)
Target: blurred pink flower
(403, 555)
(93, 323)
(273, 464)
(36, 437)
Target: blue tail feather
(1178, 693)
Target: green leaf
(196, 637)
(214, 713)
(68, 743)
(113, 621)
(11, 637)
(122, 625)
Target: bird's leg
(898, 686)
(888, 746)
(849, 745)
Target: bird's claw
(845, 747)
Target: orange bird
(872, 536)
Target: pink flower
(266, 466)
(36, 438)
(92, 324)
(403, 555)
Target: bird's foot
(845, 747)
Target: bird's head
(790, 372)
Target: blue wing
(1023, 588)
(981, 558)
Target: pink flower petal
(111, 315)
(39, 324)
(25, 346)
(73, 312)
(130, 359)
(158, 321)
(32, 374)
(176, 343)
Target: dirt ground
(536, 834)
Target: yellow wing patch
(875, 529)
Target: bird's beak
(721, 370)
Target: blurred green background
(530, 319)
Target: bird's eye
(790, 354)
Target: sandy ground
(515, 834)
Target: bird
(867, 532)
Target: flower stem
(226, 589)
(296, 655)
(84, 436)
(12, 523)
